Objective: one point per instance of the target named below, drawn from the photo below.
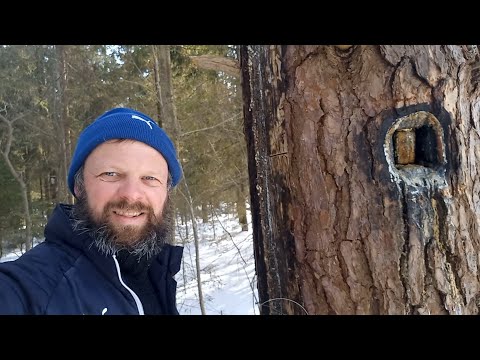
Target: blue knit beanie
(124, 123)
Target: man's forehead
(126, 149)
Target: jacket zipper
(135, 297)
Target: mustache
(125, 205)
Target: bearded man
(110, 252)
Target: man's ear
(76, 190)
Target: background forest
(48, 94)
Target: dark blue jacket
(66, 275)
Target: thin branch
(145, 87)
(213, 126)
(6, 152)
(38, 129)
(217, 157)
(194, 90)
(9, 123)
(250, 282)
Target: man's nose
(130, 189)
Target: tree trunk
(196, 242)
(52, 185)
(204, 211)
(163, 86)
(168, 120)
(60, 114)
(27, 173)
(363, 166)
(40, 185)
(242, 208)
(213, 216)
(68, 147)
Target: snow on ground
(10, 256)
(227, 270)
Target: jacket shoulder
(26, 284)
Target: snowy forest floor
(227, 269)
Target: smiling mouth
(130, 214)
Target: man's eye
(109, 176)
(152, 181)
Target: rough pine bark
(364, 178)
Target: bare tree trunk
(60, 115)
(241, 208)
(184, 274)
(213, 221)
(68, 147)
(189, 200)
(184, 243)
(53, 184)
(168, 120)
(40, 184)
(27, 178)
(186, 226)
(363, 166)
(204, 213)
(158, 87)
(163, 86)
(18, 176)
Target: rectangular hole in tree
(426, 152)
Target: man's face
(126, 188)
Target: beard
(143, 241)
